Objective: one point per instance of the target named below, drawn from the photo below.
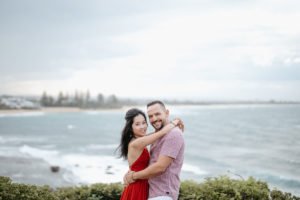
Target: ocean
(262, 141)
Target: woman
(133, 148)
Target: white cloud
(231, 37)
(219, 52)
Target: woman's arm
(142, 142)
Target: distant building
(17, 103)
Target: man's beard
(162, 126)
(158, 129)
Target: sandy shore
(54, 110)
(47, 110)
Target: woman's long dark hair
(127, 132)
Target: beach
(44, 109)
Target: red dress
(140, 188)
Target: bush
(13, 191)
(219, 188)
(94, 192)
(278, 195)
(224, 188)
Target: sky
(171, 49)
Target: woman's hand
(178, 122)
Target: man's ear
(167, 112)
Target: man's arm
(152, 170)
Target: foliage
(13, 191)
(224, 188)
(279, 195)
(94, 192)
(219, 188)
(81, 100)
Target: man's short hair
(156, 102)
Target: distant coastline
(46, 110)
(77, 109)
(76, 103)
(79, 102)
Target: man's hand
(128, 178)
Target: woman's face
(139, 126)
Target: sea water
(262, 141)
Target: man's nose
(154, 119)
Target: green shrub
(219, 188)
(73, 193)
(278, 195)
(13, 191)
(223, 188)
(94, 192)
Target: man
(166, 158)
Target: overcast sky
(192, 49)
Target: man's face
(158, 116)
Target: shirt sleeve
(172, 144)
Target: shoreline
(76, 109)
(46, 110)
(51, 110)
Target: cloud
(197, 47)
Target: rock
(54, 168)
(108, 170)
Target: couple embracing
(153, 175)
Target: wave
(92, 112)
(287, 183)
(50, 156)
(23, 114)
(7, 151)
(100, 112)
(193, 110)
(18, 140)
(194, 169)
(85, 169)
(89, 169)
(99, 146)
(280, 180)
(70, 127)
